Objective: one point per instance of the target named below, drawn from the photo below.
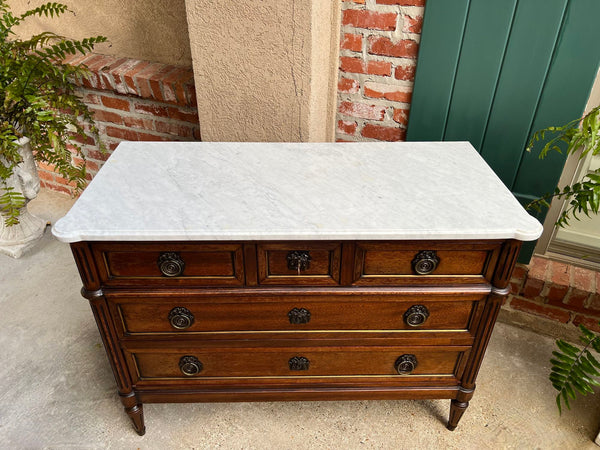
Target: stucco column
(265, 70)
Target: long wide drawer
(198, 362)
(139, 314)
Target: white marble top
(258, 191)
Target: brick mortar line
(363, 78)
(143, 130)
(138, 115)
(360, 98)
(388, 118)
(361, 122)
(368, 78)
(373, 57)
(394, 36)
(134, 98)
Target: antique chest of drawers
(260, 272)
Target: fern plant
(580, 135)
(38, 100)
(573, 369)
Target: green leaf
(560, 364)
(557, 378)
(566, 399)
(593, 361)
(563, 357)
(589, 368)
(561, 370)
(567, 348)
(558, 405)
(569, 390)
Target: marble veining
(274, 191)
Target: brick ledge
(150, 80)
(557, 291)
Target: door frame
(568, 176)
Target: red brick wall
(378, 49)
(132, 100)
(556, 291)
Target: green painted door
(493, 72)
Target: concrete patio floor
(57, 391)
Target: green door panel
(567, 88)
(493, 72)
(437, 69)
(488, 26)
(530, 47)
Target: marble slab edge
(295, 236)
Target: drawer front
(299, 263)
(140, 315)
(297, 362)
(424, 262)
(169, 264)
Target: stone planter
(17, 239)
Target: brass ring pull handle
(170, 264)
(416, 315)
(425, 262)
(181, 318)
(298, 260)
(190, 366)
(299, 363)
(298, 316)
(405, 364)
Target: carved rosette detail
(298, 260)
(405, 364)
(299, 363)
(425, 262)
(299, 315)
(171, 264)
(416, 315)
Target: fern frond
(11, 202)
(47, 9)
(573, 369)
(578, 136)
(38, 97)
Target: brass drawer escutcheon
(416, 315)
(405, 364)
(299, 363)
(171, 264)
(299, 316)
(190, 366)
(425, 262)
(181, 318)
(298, 260)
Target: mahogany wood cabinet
(246, 316)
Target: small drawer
(424, 262)
(143, 315)
(197, 362)
(299, 263)
(169, 264)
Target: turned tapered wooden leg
(457, 409)
(135, 411)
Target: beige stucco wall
(154, 30)
(265, 71)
